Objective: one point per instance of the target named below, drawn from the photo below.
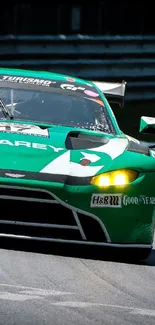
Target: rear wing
(114, 92)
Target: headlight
(117, 178)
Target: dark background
(91, 18)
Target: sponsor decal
(113, 148)
(119, 200)
(27, 80)
(106, 201)
(23, 129)
(71, 87)
(138, 200)
(91, 93)
(74, 88)
(27, 144)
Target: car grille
(36, 214)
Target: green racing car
(67, 172)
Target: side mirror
(147, 125)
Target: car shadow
(77, 251)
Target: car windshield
(66, 105)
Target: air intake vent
(138, 148)
(81, 141)
(35, 214)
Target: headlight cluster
(118, 178)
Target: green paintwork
(130, 224)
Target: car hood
(56, 150)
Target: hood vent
(81, 141)
(138, 148)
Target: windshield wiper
(5, 110)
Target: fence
(113, 58)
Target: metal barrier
(91, 57)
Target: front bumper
(37, 214)
(57, 212)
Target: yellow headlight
(118, 178)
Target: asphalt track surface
(67, 285)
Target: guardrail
(91, 57)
